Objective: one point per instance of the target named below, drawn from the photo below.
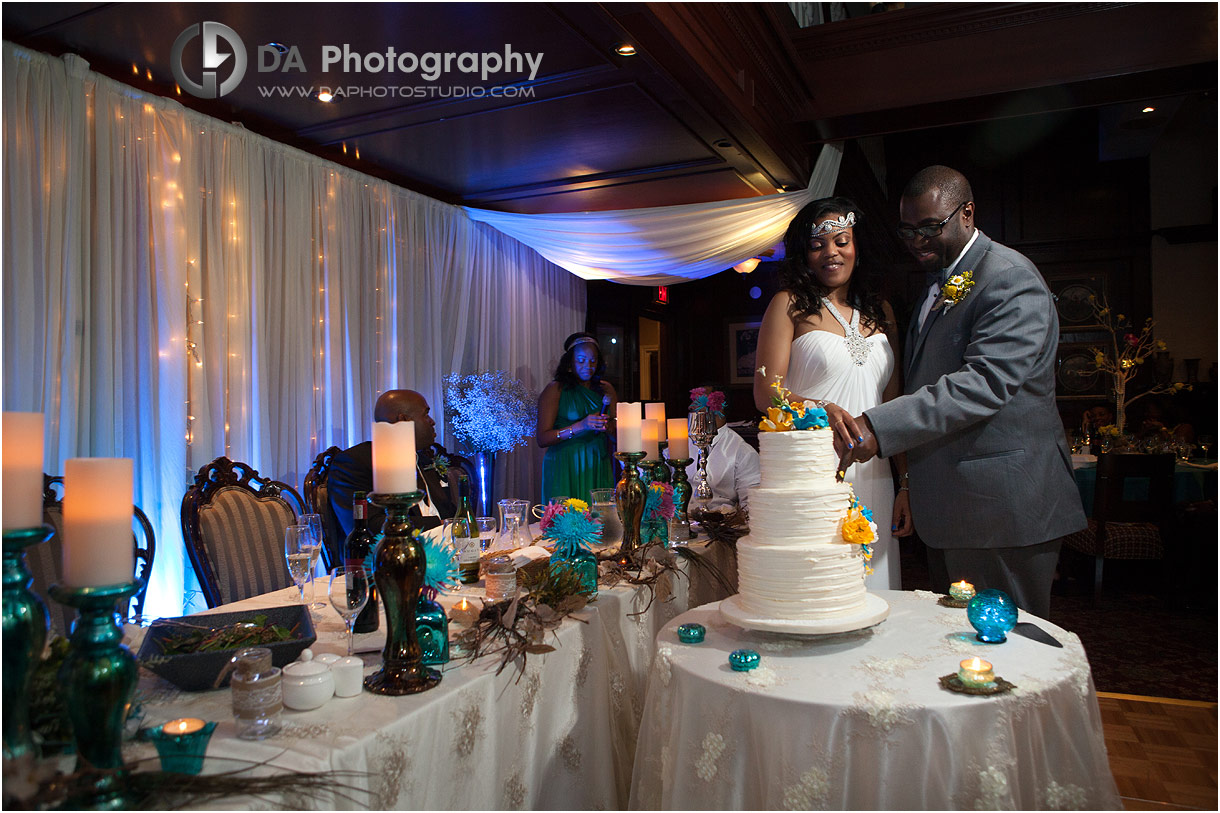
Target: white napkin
(533, 553)
(1082, 460)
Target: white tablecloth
(560, 736)
(859, 721)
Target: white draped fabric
(176, 288)
(667, 244)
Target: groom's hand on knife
(854, 443)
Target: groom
(991, 479)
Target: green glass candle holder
(743, 660)
(99, 676)
(682, 493)
(629, 496)
(398, 570)
(182, 753)
(25, 635)
(660, 471)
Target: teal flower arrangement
(441, 571)
(658, 511)
(572, 528)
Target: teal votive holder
(743, 660)
(182, 753)
(691, 633)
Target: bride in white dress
(825, 335)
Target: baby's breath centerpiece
(489, 412)
(1124, 357)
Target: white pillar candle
(650, 432)
(22, 490)
(679, 446)
(656, 412)
(628, 419)
(97, 539)
(394, 458)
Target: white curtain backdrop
(176, 289)
(667, 244)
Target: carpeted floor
(1136, 642)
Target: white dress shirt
(934, 289)
(732, 469)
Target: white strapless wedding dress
(821, 366)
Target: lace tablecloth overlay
(859, 721)
(560, 736)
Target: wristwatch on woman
(904, 481)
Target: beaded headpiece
(581, 340)
(836, 224)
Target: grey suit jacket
(985, 448)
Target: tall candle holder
(660, 471)
(701, 426)
(398, 570)
(99, 676)
(682, 491)
(629, 497)
(25, 635)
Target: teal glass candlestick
(432, 628)
(660, 471)
(398, 570)
(98, 676)
(25, 635)
(682, 493)
(182, 753)
(629, 497)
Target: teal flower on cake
(441, 571)
(811, 417)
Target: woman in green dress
(574, 423)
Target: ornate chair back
(45, 561)
(317, 501)
(233, 523)
(460, 467)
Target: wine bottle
(358, 550)
(466, 536)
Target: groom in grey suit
(991, 479)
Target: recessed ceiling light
(1148, 110)
(625, 49)
(325, 96)
(283, 49)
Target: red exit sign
(662, 295)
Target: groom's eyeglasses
(929, 231)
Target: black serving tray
(197, 671)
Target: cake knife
(1035, 633)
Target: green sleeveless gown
(574, 467)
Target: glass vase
(585, 565)
(432, 628)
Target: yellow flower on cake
(857, 530)
(777, 420)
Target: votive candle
(679, 443)
(97, 536)
(184, 725)
(394, 458)
(961, 591)
(656, 412)
(22, 490)
(975, 672)
(628, 419)
(651, 434)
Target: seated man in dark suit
(351, 470)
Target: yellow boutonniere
(956, 288)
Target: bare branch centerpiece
(489, 412)
(1123, 360)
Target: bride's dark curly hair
(796, 277)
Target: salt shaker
(500, 578)
(258, 694)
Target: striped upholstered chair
(233, 522)
(45, 561)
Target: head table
(859, 721)
(562, 735)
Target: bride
(828, 336)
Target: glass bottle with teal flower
(573, 530)
(432, 629)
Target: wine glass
(349, 592)
(314, 523)
(297, 542)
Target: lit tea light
(185, 725)
(961, 591)
(462, 606)
(975, 672)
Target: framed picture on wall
(743, 351)
(1072, 292)
(1075, 374)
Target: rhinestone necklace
(857, 345)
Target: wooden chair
(1129, 521)
(460, 467)
(317, 500)
(233, 523)
(45, 561)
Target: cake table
(859, 721)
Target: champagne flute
(314, 523)
(297, 540)
(349, 592)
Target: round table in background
(859, 721)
